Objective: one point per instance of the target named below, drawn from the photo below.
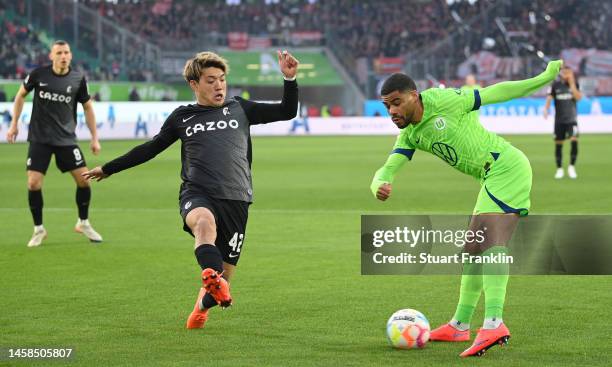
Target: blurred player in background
(58, 88)
(441, 122)
(471, 83)
(565, 92)
(216, 168)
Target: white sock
(459, 325)
(38, 228)
(492, 323)
(84, 221)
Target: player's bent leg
(35, 201)
(83, 198)
(458, 329)
(495, 279)
(202, 223)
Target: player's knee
(82, 183)
(205, 224)
(34, 183)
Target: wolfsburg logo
(210, 126)
(446, 152)
(440, 123)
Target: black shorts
(565, 131)
(67, 158)
(230, 217)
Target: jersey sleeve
(263, 113)
(457, 101)
(83, 93)
(30, 81)
(403, 146)
(402, 152)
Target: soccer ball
(408, 329)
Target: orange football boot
(447, 333)
(486, 339)
(198, 317)
(217, 286)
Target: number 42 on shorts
(236, 241)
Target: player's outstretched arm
(505, 91)
(138, 155)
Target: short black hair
(397, 82)
(59, 43)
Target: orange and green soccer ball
(408, 329)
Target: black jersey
(565, 104)
(216, 143)
(56, 96)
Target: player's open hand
(95, 173)
(11, 135)
(288, 64)
(95, 146)
(554, 67)
(384, 191)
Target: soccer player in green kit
(439, 121)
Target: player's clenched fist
(384, 191)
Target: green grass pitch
(299, 297)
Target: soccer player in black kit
(565, 92)
(57, 90)
(216, 168)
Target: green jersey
(451, 130)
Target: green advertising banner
(120, 91)
(248, 68)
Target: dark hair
(59, 43)
(397, 82)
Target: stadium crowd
(365, 28)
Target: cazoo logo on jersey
(56, 97)
(210, 126)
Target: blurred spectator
(134, 96)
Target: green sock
(469, 293)
(495, 279)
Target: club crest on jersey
(69, 89)
(440, 124)
(226, 111)
(210, 126)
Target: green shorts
(506, 186)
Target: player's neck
(418, 115)
(60, 71)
